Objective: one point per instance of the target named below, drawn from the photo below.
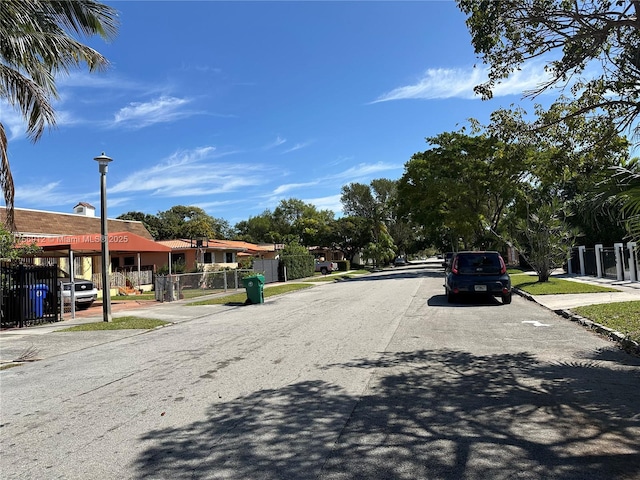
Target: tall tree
(349, 235)
(377, 204)
(190, 222)
(258, 229)
(301, 222)
(36, 45)
(458, 190)
(150, 222)
(574, 39)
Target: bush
(298, 266)
(298, 261)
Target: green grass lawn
(241, 297)
(121, 323)
(623, 317)
(555, 286)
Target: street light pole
(103, 162)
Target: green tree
(190, 222)
(381, 249)
(258, 229)
(622, 193)
(12, 248)
(349, 235)
(376, 203)
(150, 222)
(575, 37)
(459, 189)
(36, 45)
(302, 222)
(545, 236)
(570, 160)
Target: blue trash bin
(37, 295)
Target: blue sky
(234, 106)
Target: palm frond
(6, 181)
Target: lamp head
(103, 161)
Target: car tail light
(454, 266)
(503, 267)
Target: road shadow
(464, 301)
(428, 414)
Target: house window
(115, 263)
(208, 257)
(229, 257)
(129, 261)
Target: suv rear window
(478, 263)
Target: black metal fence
(608, 259)
(590, 267)
(29, 294)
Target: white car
(85, 292)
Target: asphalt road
(376, 378)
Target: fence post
(598, 252)
(619, 261)
(631, 246)
(569, 262)
(581, 250)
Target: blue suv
(477, 273)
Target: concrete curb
(625, 343)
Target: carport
(90, 245)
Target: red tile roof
(41, 223)
(182, 244)
(119, 242)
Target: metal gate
(29, 295)
(590, 267)
(608, 262)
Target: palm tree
(36, 45)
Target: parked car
(477, 273)
(85, 292)
(447, 259)
(399, 261)
(326, 267)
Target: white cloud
(160, 110)
(331, 202)
(276, 143)
(192, 173)
(297, 146)
(44, 194)
(364, 170)
(108, 80)
(14, 125)
(282, 189)
(443, 83)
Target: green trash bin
(255, 288)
